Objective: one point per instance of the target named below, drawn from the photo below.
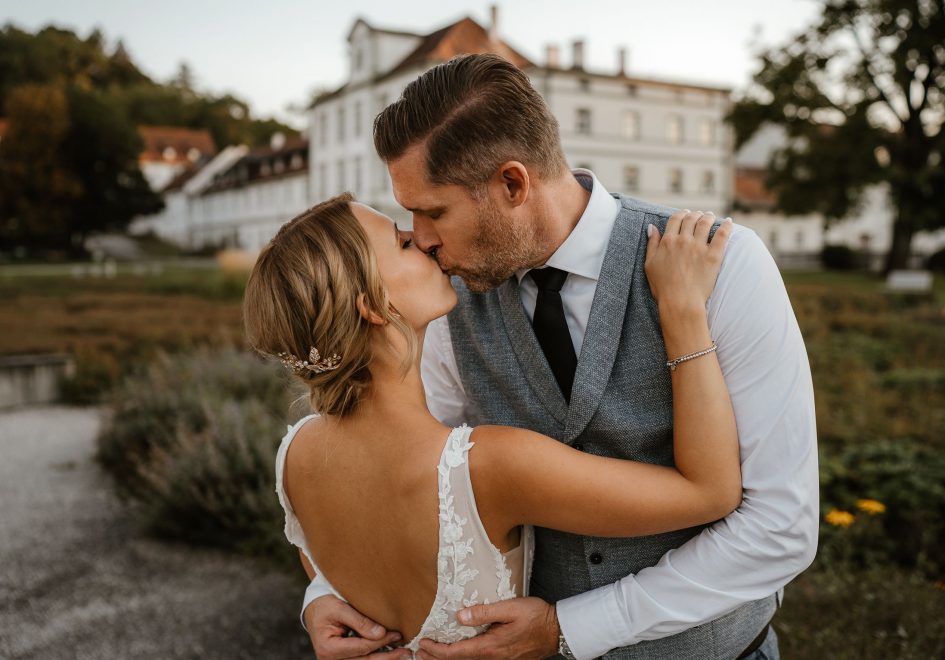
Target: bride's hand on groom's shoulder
(330, 622)
(519, 628)
(682, 264)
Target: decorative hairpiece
(315, 363)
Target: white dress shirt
(772, 536)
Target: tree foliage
(861, 97)
(69, 160)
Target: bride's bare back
(367, 497)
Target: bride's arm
(528, 478)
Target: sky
(275, 53)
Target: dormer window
(169, 153)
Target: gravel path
(78, 581)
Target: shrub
(909, 481)
(840, 257)
(936, 261)
(192, 441)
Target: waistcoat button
(596, 558)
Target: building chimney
(577, 54)
(622, 61)
(494, 23)
(552, 56)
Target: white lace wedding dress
(470, 569)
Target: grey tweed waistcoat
(621, 406)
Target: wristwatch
(563, 649)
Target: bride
(411, 521)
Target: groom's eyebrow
(436, 209)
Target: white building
(239, 199)
(170, 150)
(796, 241)
(663, 141)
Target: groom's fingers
(703, 225)
(355, 647)
(480, 615)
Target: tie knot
(549, 279)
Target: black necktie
(551, 328)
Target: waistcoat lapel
(606, 322)
(528, 351)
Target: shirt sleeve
(446, 398)
(318, 587)
(772, 536)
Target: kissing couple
(549, 420)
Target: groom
(475, 156)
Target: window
(323, 180)
(341, 176)
(799, 239)
(706, 131)
(773, 240)
(631, 89)
(584, 84)
(341, 124)
(357, 119)
(675, 180)
(674, 129)
(358, 59)
(708, 181)
(278, 166)
(583, 123)
(170, 153)
(631, 178)
(296, 162)
(357, 174)
(631, 124)
(323, 128)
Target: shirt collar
(582, 253)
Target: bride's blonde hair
(303, 293)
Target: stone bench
(910, 282)
(32, 379)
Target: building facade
(664, 141)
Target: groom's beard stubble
(499, 249)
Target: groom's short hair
(474, 112)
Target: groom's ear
(515, 182)
(367, 313)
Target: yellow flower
(871, 507)
(840, 518)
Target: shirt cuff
(316, 589)
(590, 622)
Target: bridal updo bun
(302, 294)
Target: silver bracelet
(672, 364)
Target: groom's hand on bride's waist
(331, 621)
(520, 628)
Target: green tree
(37, 191)
(861, 97)
(102, 149)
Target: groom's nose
(424, 235)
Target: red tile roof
(750, 189)
(173, 144)
(463, 37)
